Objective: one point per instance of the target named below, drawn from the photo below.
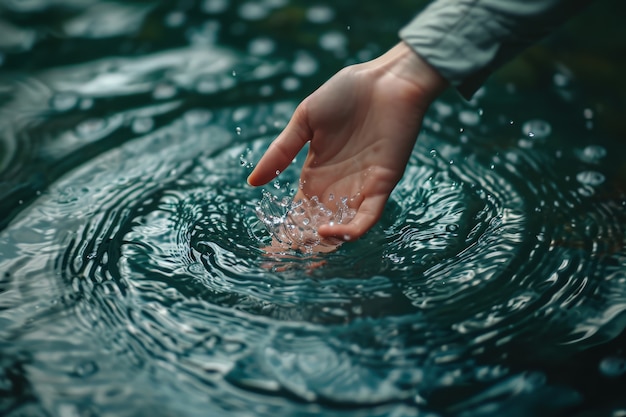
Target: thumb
(283, 149)
(368, 213)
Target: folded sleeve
(466, 40)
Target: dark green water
(133, 279)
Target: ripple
(141, 274)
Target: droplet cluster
(293, 223)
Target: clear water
(135, 275)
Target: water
(137, 276)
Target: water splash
(293, 224)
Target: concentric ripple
(136, 277)
(161, 269)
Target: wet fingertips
(294, 224)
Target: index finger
(283, 150)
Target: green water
(133, 275)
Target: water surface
(134, 275)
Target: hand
(362, 125)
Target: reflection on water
(135, 276)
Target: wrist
(403, 63)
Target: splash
(293, 224)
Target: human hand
(362, 125)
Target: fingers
(283, 150)
(366, 217)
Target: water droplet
(214, 6)
(613, 366)
(442, 109)
(197, 117)
(86, 104)
(91, 127)
(304, 64)
(261, 46)
(333, 41)
(320, 14)
(537, 129)
(142, 125)
(175, 19)
(253, 11)
(592, 178)
(163, 91)
(469, 117)
(238, 130)
(560, 80)
(593, 153)
(266, 90)
(291, 83)
(86, 369)
(64, 101)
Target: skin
(362, 125)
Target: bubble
(197, 117)
(175, 19)
(592, 153)
(253, 11)
(64, 101)
(214, 6)
(613, 366)
(91, 127)
(261, 46)
(291, 83)
(207, 86)
(442, 109)
(205, 34)
(238, 130)
(266, 90)
(304, 64)
(86, 369)
(592, 178)
(142, 125)
(163, 91)
(537, 129)
(469, 117)
(320, 14)
(241, 113)
(560, 80)
(333, 41)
